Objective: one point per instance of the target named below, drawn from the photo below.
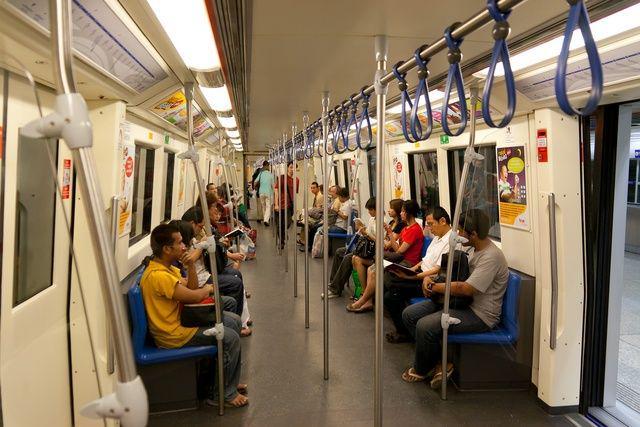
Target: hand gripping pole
(192, 155)
(469, 157)
(70, 121)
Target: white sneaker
(332, 294)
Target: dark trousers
(422, 320)
(280, 224)
(340, 270)
(397, 293)
(313, 228)
(232, 286)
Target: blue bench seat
(506, 332)
(144, 349)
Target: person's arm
(191, 296)
(431, 272)
(276, 197)
(189, 261)
(458, 289)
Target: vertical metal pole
(236, 186)
(381, 101)
(325, 238)
(305, 125)
(273, 220)
(115, 201)
(469, 158)
(188, 91)
(278, 225)
(285, 201)
(226, 181)
(84, 161)
(553, 247)
(295, 206)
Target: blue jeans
(422, 320)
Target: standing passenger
(264, 184)
(284, 202)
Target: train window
(371, 167)
(35, 219)
(482, 182)
(167, 195)
(346, 167)
(143, 194)
(633, 196)
(423, 170)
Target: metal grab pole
(285, 203)
(115, 201)
(325, 239)
(553, 247)
(295, 206)
(226, 181)
(273, 220)
(237, 193)
(381, 101)
(470, 156)
(305, 125)
(193, 156)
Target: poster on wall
(182, 182)
(512, 187)
(396, 173)
(127, 150)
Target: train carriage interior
(276, 213)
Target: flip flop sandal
(242, 389)
(410, 376)
(227, 403)
(436, 382)
(352, 309)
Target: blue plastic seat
(145, 350)
(425, 245)
(335, 235)
(505, 332)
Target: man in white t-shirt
(344, 212)
(400, 287)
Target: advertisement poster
(182, 182)
(173, 109)
(512, 187)
(66, 179)
(396, 173)
(127, 148)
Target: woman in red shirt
(409, 244)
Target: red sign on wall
(541, 142)
(66, 179)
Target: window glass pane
(142, 194)
(371, 165)
(346, 167)
(168, 190)
(481, 186)
(35, 219)
(426, 180)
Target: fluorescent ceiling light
(434, 95)
(233, 134)
(612, 25)
(239, 149)
(217, 98)
(236, 140)
(187, 25)
(228, 122)
(371, 119)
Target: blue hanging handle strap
(332, 135)
(500, 32)
(308, 148)
(339, 134)
(578, 16)
(422, 91)
(364, 115)
(454, 56)
(404, 100)
(353, 107)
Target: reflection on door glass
(35, 219)
(425, 188)
(143, 194)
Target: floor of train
(283, 365)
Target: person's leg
(228, 303)
(428, 334)
(366, 300)
(361, 265)
(412, 314)
(336, 229)
(259, 208)
(232, 286)
(230, 270)
(397, 293)
(335, 267)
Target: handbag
(460, 273)
(200, 314)
(365, 248)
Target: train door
(611, 372)
(34, 332)
(423, 170)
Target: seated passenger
(342, 261)
(163, 289)
(343, 212)
(409, 245)
(335, 204)
(393, 229)
(400, 287)
(486, 285)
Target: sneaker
(333, 294)
(266, 224)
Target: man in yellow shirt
(163, 289)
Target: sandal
(410, 376)
(436, 381)
(363, 309)
(242, 389)
(237, 402)
(245, 332)
(396, 338)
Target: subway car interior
(325, 213)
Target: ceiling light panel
(228, 122)
(217, 98)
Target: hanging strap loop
(364, 115)
(500, 32)
(422, 91)
(578, 15)
(405, 100)
(353, 121)
(340, 135)
(331, 135)
(454, 56)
